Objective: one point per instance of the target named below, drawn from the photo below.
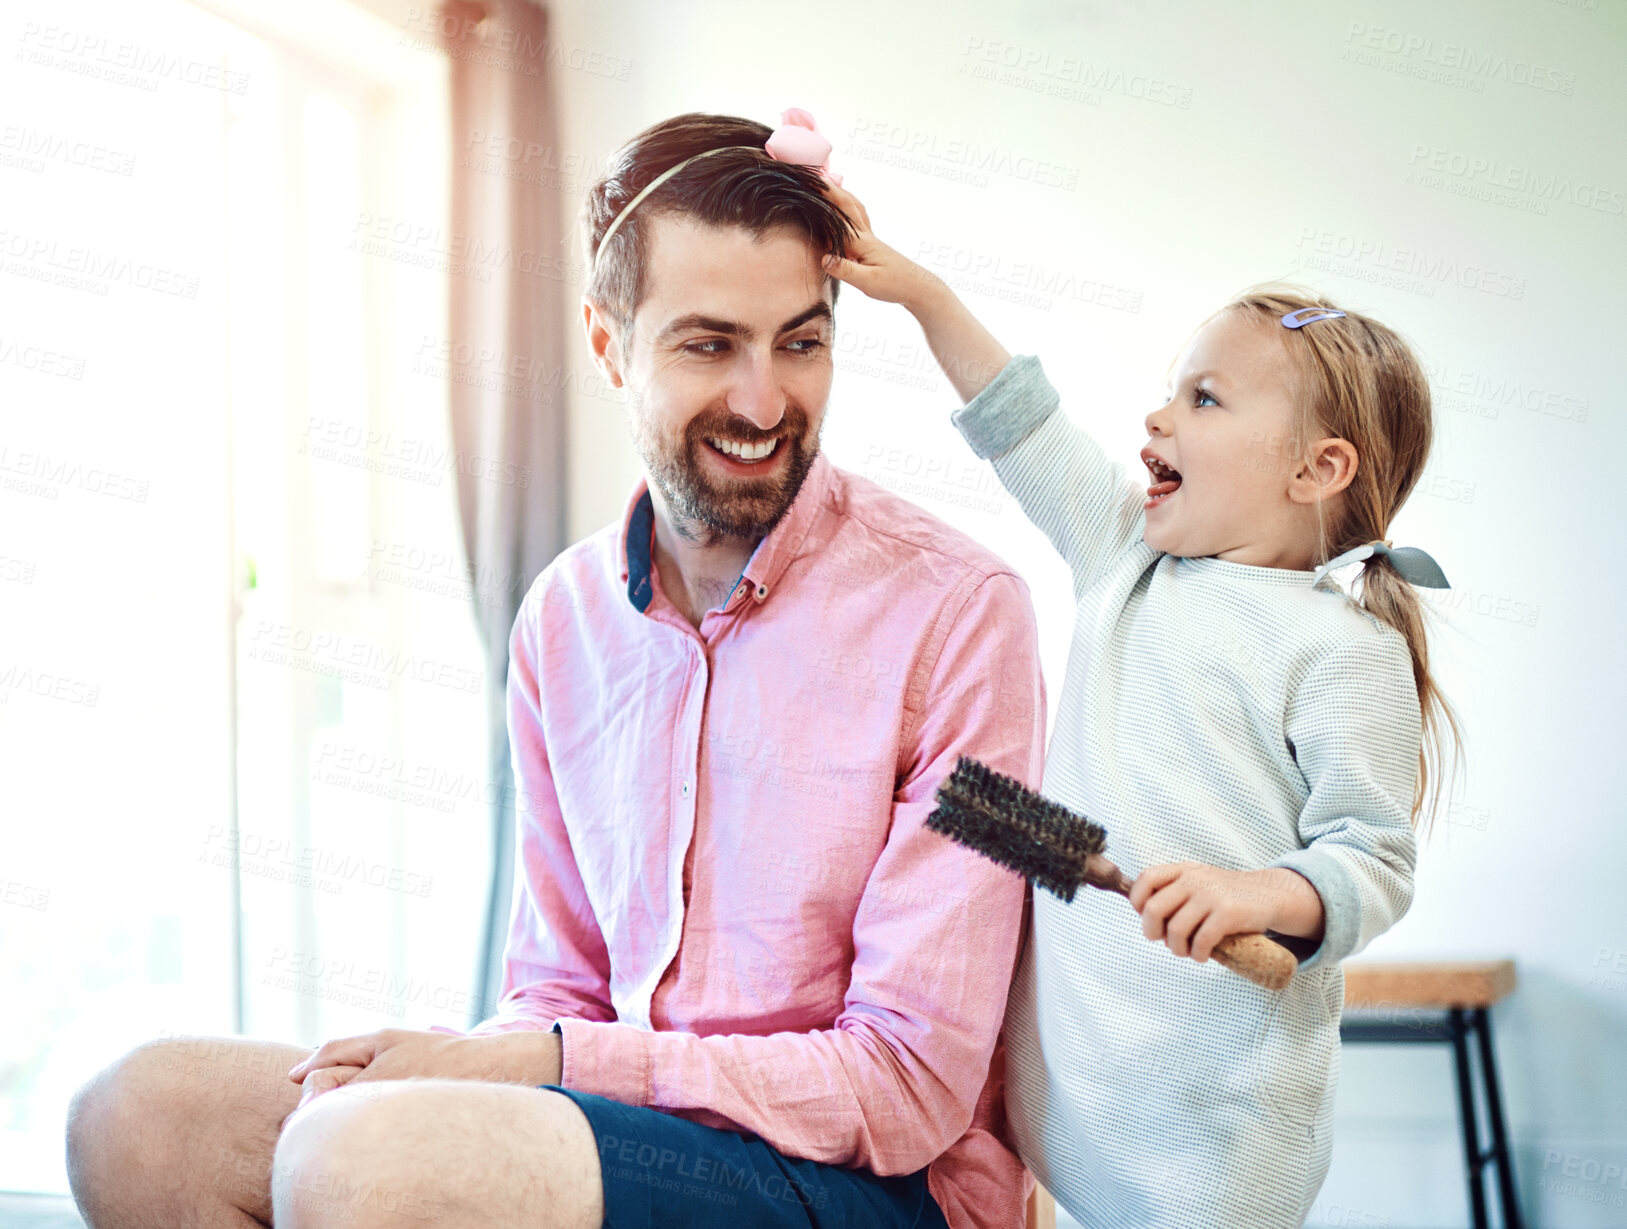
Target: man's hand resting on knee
(523, 1057)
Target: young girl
(1251, 738)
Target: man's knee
(350, 1158)
(116, 1130)
(108, 1110)
(157, 1106)
(385, 1153)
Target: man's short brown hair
(737, 187)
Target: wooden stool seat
(1467, 983)
(1446, 1002)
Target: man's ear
(605, 341)
(1329, 469)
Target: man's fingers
(325, 1079)
(297, 1072)
(332, 1077)
(348, 1051)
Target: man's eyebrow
(816, 312)
(697, 321)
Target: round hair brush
(1059, 850)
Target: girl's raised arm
(969, 354)
(1090, 509)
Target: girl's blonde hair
(1360, 382)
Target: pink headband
(796, 140)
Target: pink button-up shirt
(724, 892)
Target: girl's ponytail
(1361, 382)
(1386, 596)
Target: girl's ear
(1329, 469)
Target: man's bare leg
(450, 1154)
(179, 1134)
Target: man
(743, 983)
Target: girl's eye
(1203, 395)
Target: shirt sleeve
(1090, 508)
(1354, 725)
(555, 964)
(897, 1079)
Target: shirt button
(685, 789)
(762, 592)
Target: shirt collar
(637, 541)
(767, 562)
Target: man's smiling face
(728, 364)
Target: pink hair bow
(798, 140)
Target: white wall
(1457, 170)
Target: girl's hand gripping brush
(1059, 850)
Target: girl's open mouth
(1166, 480)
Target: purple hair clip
(1308, 315)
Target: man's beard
(705, 510)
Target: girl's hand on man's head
(881, 272)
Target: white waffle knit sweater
(1215, 712)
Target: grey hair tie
(1411, 563)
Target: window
(241, 731)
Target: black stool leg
(1471, 1132)
(1494, 1114)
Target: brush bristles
(1004, 820)
(1035, 814)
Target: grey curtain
(507, 329)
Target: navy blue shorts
(661, 1170)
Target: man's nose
(755, 392)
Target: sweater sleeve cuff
(1016, 401)
(1341, 905)
(611, 1060)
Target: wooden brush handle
(1263, 961)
